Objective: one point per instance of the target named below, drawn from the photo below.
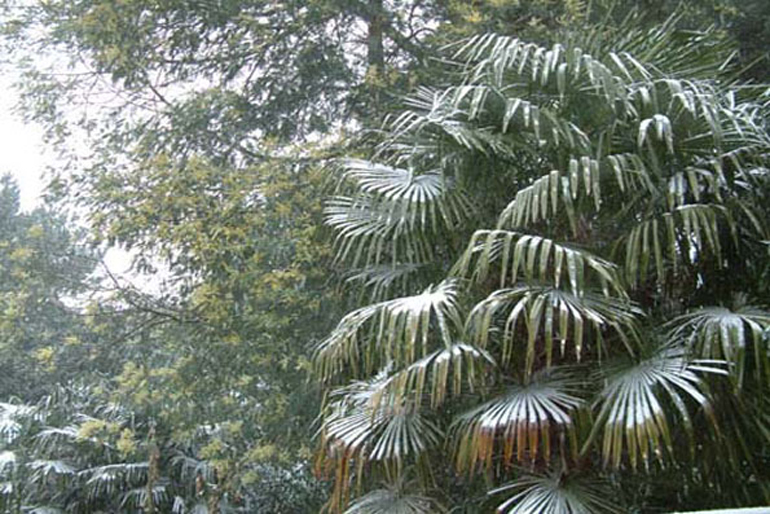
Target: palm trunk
(153, 472)
(214, 500)
(214, 495)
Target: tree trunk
(376, 52)
(214, 499)
(214, 495)
(153, 472)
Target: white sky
(24, 155)
(22, 152)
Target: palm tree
(562, 250)
(70, 453)
(58, 458)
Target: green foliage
(612, 172)
(203, 378)
(222, 360)
(559, 240)
(219, 79)
(382, 501)
(43, 267)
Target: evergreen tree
(44, 267)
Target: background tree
(248, 291)
(216, 78)
(203, 384)
(44, 266)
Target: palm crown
(569, 226)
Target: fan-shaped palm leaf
(464, 360)
(392, 210)
(515, 118)
(555, 311)
(541, 199)
(588, 59)
(393, 500)
(111, 480)
(137, 497)
(352, 430)
(504, 60)
(557, 493)
(682, 235)
(523, 419)
(45, 468)
(51, 437)
(190, 467)
(379, 280)
(365, 232)
(536, 258)
(440, 120)
(633, 405)
(694, 116)
(394, 330)
(721, 333)
(356, 428)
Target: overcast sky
(24, 155)
(22, 152)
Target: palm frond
(536, 258)
(379, 280)
(393, 500)
(540, 201)
(631, 173)
(635, 403)
(359, 425)
(520, 422)
(547, 314)
(465, 362)
(45, 468)
(683, 235)
(557, 493)
(391, 211)
(190, 467)
(111, 480)
(441, 120)
(514, 117)
(137, 497)
(51, 437)
(503, 60)
(391, 331)
(598, 56)
(721, 333)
